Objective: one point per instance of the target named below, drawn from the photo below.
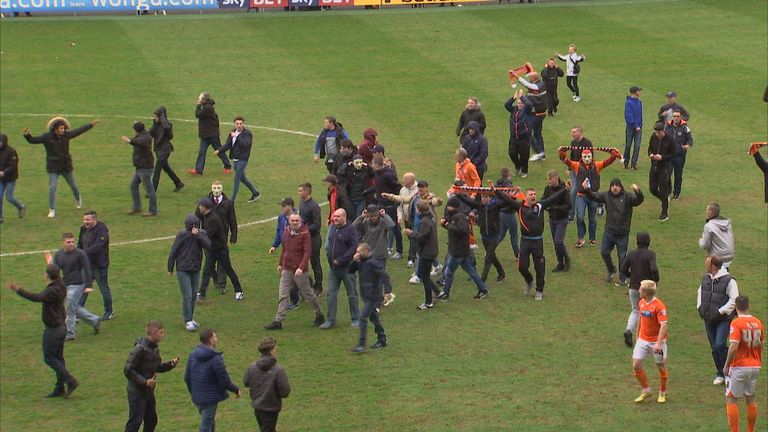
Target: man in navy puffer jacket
(207, 379)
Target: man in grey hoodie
(717, 238)
(187, 255)
(268, 384)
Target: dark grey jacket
(268, 384)
(187, 250)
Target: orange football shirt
(652, 315)
(748, 331)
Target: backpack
(576, 66)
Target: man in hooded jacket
(58, 159)
(162, 133)
(144, 163)
(208, 131)
(187, 255)
(268, 384)
(717, 237)
(476, 146)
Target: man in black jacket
(58, 159)
(558, 219)
(186, 255)
(144, 163)
(310, 215)
(639, 265)
(94, 241)
(661, 149)
(532, 228)
(208, 131)
(471, 112)
(550, 75)
(239, 143)
(426, 240)
(618, 206)
(162, 133)
(225, 209)
(52, 299)
(354, 178)
(141, 369)
(219, 251)
(487, 215)
(678, 129)
(340, 248)
(459, 253)
(9, 173)
(476, 145)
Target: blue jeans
(606, 247)
(557, 228)
(369, 312)
(214, 142)
(386, 282)
(508, 222)
(74, 310)
(7, 190)
(240, 177)
(207, 417)
(583, 203)
(537, 140)
(468, 264)
(636, 136)
(101, 276)
(357, 208)
(717, 333)
(143, 176)
(53, 181)
(188, 283)
(336, 276)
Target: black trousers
(552, 100)
(267, 420)
(53, 355)
(423, 270)
(535, 248)
(490, 245)
(519, 151)
(658, 183)
(573, 84)
(141, 408)
(220, 256)
(163, 165)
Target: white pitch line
(149, 240)
(132, 242)
(143, 117)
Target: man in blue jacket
(371, 271)
(633, 115)
(94, 241)
(342, 242)
(207, 379)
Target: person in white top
(572, 70)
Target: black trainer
(381, 343)
(628, 338)
(255, 197)
(179, 187)
(558, 268)
(501, 278)
(274, 325)
(57, 392)
(319, 319)
(71, 388)
(481, 295)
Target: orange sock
(663, 375)
(732, 410)
(751, 417)
(642, 378)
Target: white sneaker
(414, 280)
(79, 202)
(197, 324)
(239, 296)
(539, 296)
(51, 213)
(718, 381)
(410, 264)
(474, 246)
(537, 156)
(190, 326)
(436, 270)
(389, 298)
(576, 99)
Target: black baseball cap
(671, 94)
(378, 148)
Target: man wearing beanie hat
(459, 253)
(58, 158)
(144, 163)
(661, 150)
(618, 208)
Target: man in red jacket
(294, 262)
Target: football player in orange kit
(651, 339)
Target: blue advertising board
(34, 6)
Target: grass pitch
(502, 364)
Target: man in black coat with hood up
(162, 133)
(208, 130)
(144, 163)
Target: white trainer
(414, 280)
(51, 213)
